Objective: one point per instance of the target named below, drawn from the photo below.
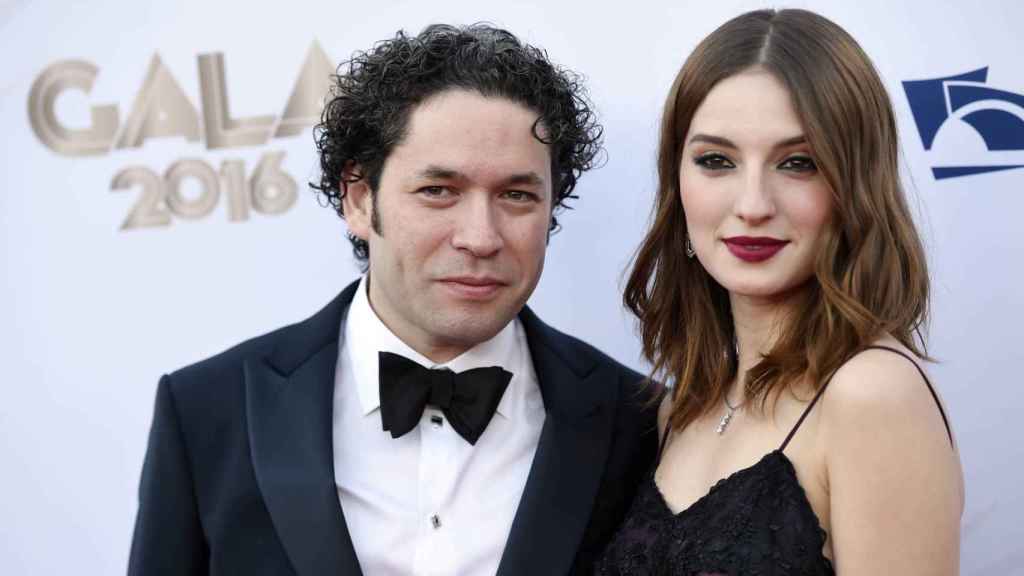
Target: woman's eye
(799, 164)
(713, 162)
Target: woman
(781, 288)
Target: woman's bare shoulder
(881, 383)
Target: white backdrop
(91, 315)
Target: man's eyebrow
(439, 173)
(525, 179)
(436, 172)
(720, 141)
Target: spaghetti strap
(927, 382)
(804, 415)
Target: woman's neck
(757, 322)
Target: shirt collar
(366, 336)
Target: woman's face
(756, 206)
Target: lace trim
(755, 521)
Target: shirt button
(436, 421)
(435, 521)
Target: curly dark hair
(374, 93)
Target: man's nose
(477, 229)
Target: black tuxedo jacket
(238, 478)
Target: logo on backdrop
(969, 111)
(162, 109)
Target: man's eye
(519, 195)
(434, 191)
(799, 164)
(713, 161)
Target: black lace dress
(755, 522)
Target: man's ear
(358, 201)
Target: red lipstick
(754, 248)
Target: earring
(690, 252)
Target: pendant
(724, 423)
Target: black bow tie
(468, 399)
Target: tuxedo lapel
(580, 394)
(289, 399)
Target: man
(425, 421)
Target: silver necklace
(727, 418)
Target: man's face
(464, 204)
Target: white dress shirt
(429, 502)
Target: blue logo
(997, 116)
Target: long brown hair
(870, 276)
